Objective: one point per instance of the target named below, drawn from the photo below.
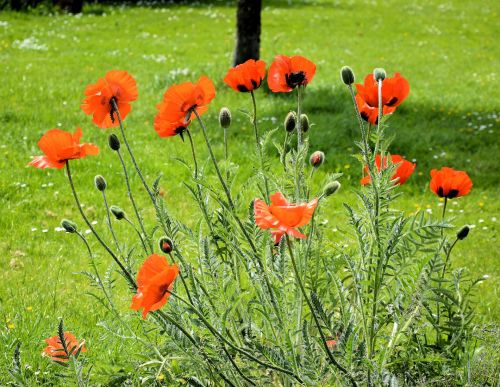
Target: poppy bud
(290, 121)
(379, 74)
(69, 226)
(100, 183)
(225, 118)
(317, 159)
(166, 245)
(331, 188)
(347, 75)
(117, 212)
(114, 142)
(462, 234)
(304, 123)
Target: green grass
(447, 52)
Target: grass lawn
(448, 52)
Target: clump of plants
(256, 293)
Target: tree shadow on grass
(431, 135)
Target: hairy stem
(125, 272)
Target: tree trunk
(71, 6)
(248, 31)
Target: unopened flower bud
(347, 75)
(69, 226)
(290, 121)
(304, 123)
(117, 212)
(114, 142)
(331, 188)
(464, 231)
(100, 183)
(166, 245)
(317, 159)
(225, 118)
(379, 74)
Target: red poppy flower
(449, 183)
(286, 73)
(156, 277)
(175, 112)
(60, 146)
(246, 76)
(403, 170)
(117, 84)
(331, 343)
(55, 349)
(394, 92)
(283, 217)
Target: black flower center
(393, 101)
(295, 79)
(452, 194)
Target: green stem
(283, 155)
(233, 212)
(299, 123)
(131, 197)
(259, 145)
(109, 223)
(316, 320)
(114, 109)
(101, 241)
(444, 209)
(226, 153)
(166, 318)
(139, 235)
(226, 341)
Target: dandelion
(283, 217)
(155, 280)
(59, 147)
(286, 73)
(117, 86)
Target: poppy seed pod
(100, 183)
(114, 142)
(331, 188)
(317, 159)
(379, 74)
(166, 245)
(304, 123)
(225, 118)
(69, 226)
(462, 234)
(290, 121)
(347, 75)
(117, 212)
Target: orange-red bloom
(449, 183)
(154, 281)
(118, 85)
(55, 349)
(59, 147)
(402, 173)
(246, 76)
(286, 73)
(331, 343)
(175, 112)
(283, 217)
(394, 92)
